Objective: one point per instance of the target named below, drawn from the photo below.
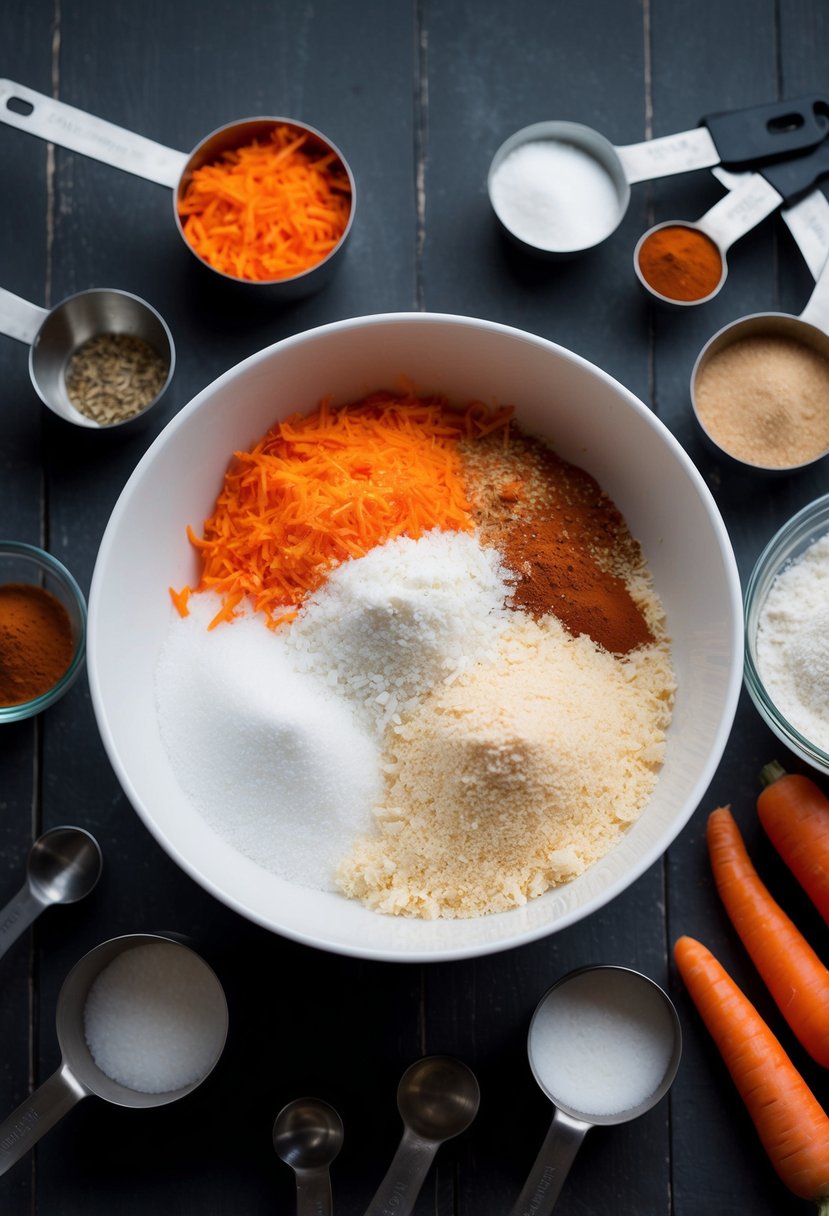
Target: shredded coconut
(516, 778)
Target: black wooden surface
(418, 95)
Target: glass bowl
(22, 563)
(786, 546)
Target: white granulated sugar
(387, 628)
(793, 643)
(601, 1044)
(555, 195)
(275, 762)
(150, 1018)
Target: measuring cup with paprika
(684, 263)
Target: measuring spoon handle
(551, 1166)
(398, 1192)
(34, 1117)
(17, 915)
(18, 318)
(78, 131)
(313, 1192)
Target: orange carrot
(793, 973)
(790, 1122)
(268, 210)
(794, 812)
(180, 599)
(318, 490)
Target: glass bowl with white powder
(787, 634)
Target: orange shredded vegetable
(319, 489)
(268, 210)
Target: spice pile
(268, 210)
(36, 642)
(680, 263)
(463, 696)
(112, 377)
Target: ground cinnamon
(36, 642)
(680, 263)
(563, 539)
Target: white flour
(793, 643)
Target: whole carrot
(794, 812)
(789, 1120)
(793, 973)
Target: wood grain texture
(418, 96)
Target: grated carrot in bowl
(268, 210)
(322, 488)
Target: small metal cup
(53, 336)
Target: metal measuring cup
(623, 989)
(74, 129)
(53, 335)
(810, 329)
(78, 1076)
(758, 134)
(756, 196)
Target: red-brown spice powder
(561, 536)
(36, 642)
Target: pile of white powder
(275, 735)
(793, 643)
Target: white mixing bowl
(593, 421)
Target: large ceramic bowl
(594, 422)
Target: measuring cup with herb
(760, 385)
(141, 1021)
(561, 188)
(295, 244)
(683, 263)
(604, 1046)
(99, 359)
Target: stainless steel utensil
(63, 866)
(53, 335)
(78, 1075)
(438, 1098)
(71, 128)
(759, 134)
(622, 999)
(307, 1135)
(754, 198)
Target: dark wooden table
(418, 95)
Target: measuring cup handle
(18, 318)
(551, 1166)
(777, 129)
(398, 1192)
(34, 1117)
(78, 131)
(16, 917)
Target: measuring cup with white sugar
(604, 1045)
(560, 188)
(756, 196)
(77, 131)
(141, 1022)
(134, 369)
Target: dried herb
(111, 377)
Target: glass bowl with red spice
(42, 630)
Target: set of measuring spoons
(782, 147)
(604, 1046)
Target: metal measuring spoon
(71, 128)
(752, 200)
(307, 1135)
(63, 866)
(53, 336)
(597, 1029)
(438, 1098)
(78, 1075)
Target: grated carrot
(268, 210)
(320, 489)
